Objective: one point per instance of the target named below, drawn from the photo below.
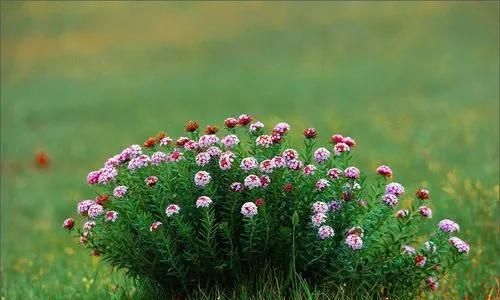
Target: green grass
(417, 85)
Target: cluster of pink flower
(209, 151)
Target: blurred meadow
(416, 84)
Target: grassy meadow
(416, 84)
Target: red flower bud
(192, 126)
(384, 171)
(259, 202)
(310, 133)
(244, 120)
(42, 160)
(422, 194)
(211, 129)
(288, 187)
(150, 142)
(231, 122)
(182, 141)
(69, 223)
(349, 141)
(337, 138)
(102, 199)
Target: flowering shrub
(205, 211)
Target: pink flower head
(83, 207)
(318, 219)
(337, 138)
(151, 181)
(325, 232)
(138, 162)
(384, 171)
(402, 213)
(425, 212)
(264, 141)
(408, 250)
(207, 140)
(249, 209)
(459, 245)
(230, 123)
(87, 226)
(352, 173)
(111, 216)
(191, 145)
(394, 188)
(432, 283)
(155, 226)
(175, 156)
(95, 211)
(390, 200)
(120, 191)
(248, 164)
(282, 128)
(226, 161)
(320, 207)
(256, 127)
(244, 119)
(354, 242)
(130, 153)
(203, 201)
(322, 184)
(334, 173)
(290, 154)
(295, 164)
(321, 155)
(266, 166)
(448, 226)
(229, 141)
(279, 162)
(236, 187)
(252, 181)
(340, 148)
(165, 141)
(264, 181)
(69, 223)
(107, 175)
(112, 162)
(202, 159)
(93, 177)
(202, 178)
(420, 261)
(349, 141)
(172, 209)
(309, 170)
(158, 158)
(335, 206)
(214, 151)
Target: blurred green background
(416, 83)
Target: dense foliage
(206, 212)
